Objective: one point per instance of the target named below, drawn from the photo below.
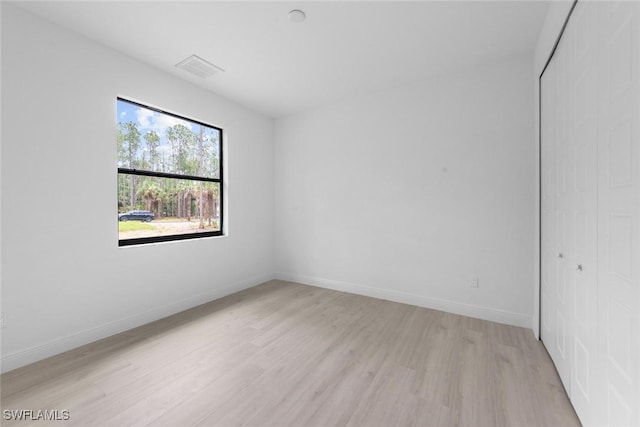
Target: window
(169, 176)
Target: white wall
(65, 281)
(404, 194)
(556, 16)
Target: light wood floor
(283, 354)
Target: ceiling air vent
(198, 66)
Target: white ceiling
(342, 49)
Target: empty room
(320, 213)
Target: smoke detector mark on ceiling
(198, 66)
(297, 16)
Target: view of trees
(153, 141)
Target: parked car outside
(145, 216)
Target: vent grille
(198, 66)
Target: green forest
(172, 145)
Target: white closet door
(556, 189)
(581, 202)
(591, 211)
(548, 205)
(552, 324)
(619, 211)
(563, 203)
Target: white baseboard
(69, 342)
(491, 314)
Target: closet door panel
(564, 212)
(548, 192)
(619, 211)
(582, 200)
(591, 224)
(556, 213)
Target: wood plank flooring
(284, 354)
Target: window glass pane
(153, 206)
(159, 142)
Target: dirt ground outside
(162, 228)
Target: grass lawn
(133, 226)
